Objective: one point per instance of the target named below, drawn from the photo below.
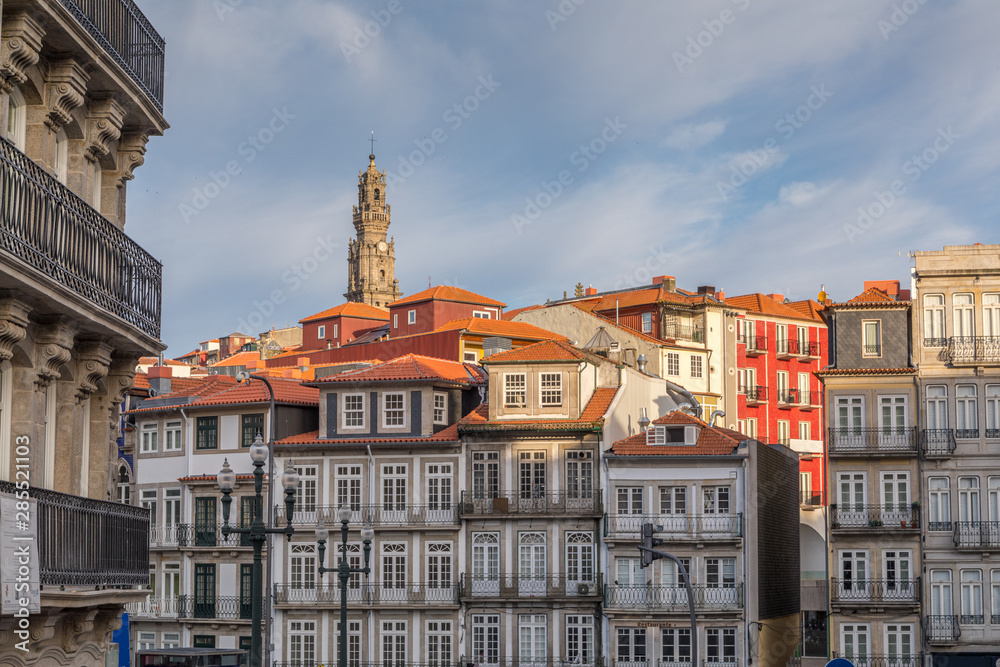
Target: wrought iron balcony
(966, 433)
(882, 591)
(872, 350)
(993, 433)
(169, 535)
(512, 586)
(370, 594)
(440, 514)
(676, 526)
(912, 660)
(755, 345)
(973, 350)
(886, 441)
(204, 535)
(532, 503)
(49, 229)
(935, 342)
(85, 542)
(154, 607)
(875, 517)
(942, 629)
(683, 332)
(128, 37)
(460, 662)
(786, 347)
(674, 598)
(938, 443)
(224, 608)
(977, 535)
(755, 395)
(787, 397)
(809, 399)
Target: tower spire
(371, 156)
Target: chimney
(720, 295)
(780, 298)
(669, 282)
(640, 362)
(590, 291)
(159, 379)
(706, 290)
(302, 361)
(329, 344)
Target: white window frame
(968, 498)
(934, 320)
(647, 323)
(963, 321)
(411, 316)
(672, 364)
(971, 582)
(395, 320)
(344, 412)
(992, 400)
(548, 386)
(967, 410)
(697, 367)
(805, 430)
(937, 406)
(784, 432)
(867, 343)
(482, 314)
(991, 314)
(440, 407)
(302, 642)
(149, 436)
(510, 391)
(939, 497)
(321, 332)
(173, 434)
(348, 485)
(307, 492)
(383, 399)
(17, 119)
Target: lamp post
(257, 530)
(343, 569)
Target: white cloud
(689, 136)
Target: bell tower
(371, 258)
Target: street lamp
(257, 530)
(343, 569)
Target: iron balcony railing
(788, 395)
(683, 332)
(971, 619)
(993, 433)
(155, 607)
(204, 535)
(673, 598)
(532, 503)
(224, 607)
(942, 629)
(935, 342)
(877, 590)
(50, 229)
(755, 394)
(872, 350)
(938, 442)
(439, 514)
(462, 661)
(966, 433)
(809, 397)
(977, 534)
(973, 350)
(676, 526)
(362, 593)
(876, 517)
(128, 37)
(587, 585)
(86, 542)
(905, 660)
(756, 344)
(888, 440)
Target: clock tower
(371, 258)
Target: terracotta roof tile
(449, 293)
(350, 309)
(238, 359)
(761, 304)
(807, 308)
(412, 367)
(712, 440)
(591, 418)
(511, 314)
(218, 390)
(546, 350)
(485, 327)
(873, 297)
(866, 371)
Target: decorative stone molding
(104, 127)
(121, 378)
(13, 325)
(77, 629)
(65, 88)
(20, 43)
(53, 348)
(131, 154)
(93, 364)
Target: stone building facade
(371, 257)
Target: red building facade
(426, 311)
(339, 325)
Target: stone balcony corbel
(93, 365)
(13, 325)
(65, 90)
(20, 44)
(53, 348)
(104, 127)
(131, 154)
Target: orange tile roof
(412, 367)
(866, 371)
(546, 350)
(449, 434)
(485, 327)
(808, 308)
(350, 309)
(218, 390)
(511, 314)
(238, 359)
(873, 297)
(712, 440)
(761, 304)
(592, 417)
(449, 293)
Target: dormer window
(551, 389)
(354, 411)
(393, 410)
(672, 434)
(647, 322)
(514, 390)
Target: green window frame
(249, 425)
(203, 641)
(208, 433)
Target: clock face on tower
(382, 246)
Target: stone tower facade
(371, 258)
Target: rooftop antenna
(428, 282)
(373, 140)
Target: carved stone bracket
(77, 629)
(131, 154)
(21, 42)
(53, 348)
(121, 378)
(93, 362)
(65, 88)
(104, 127)
(13, 324)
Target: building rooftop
(449, 293)
(488, 327)
(546, 350)
(592, 417)
(712, 440)
(762, 304)
(350, 309)
(411, 367)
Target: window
(746, 381)
(972, 597)
(440, 408)
(968, 499)
(580, 475)
(802, 334)
(673, 363)
(302, 642)
(482, 314)
(966, 412)
(991, 314)
(172, 437)
(783, 431)
(751, 428)
(853, 497)
(335, 327)
(805, 488)
(993, 499)
(871, 338)
(720, 572)
(854, 640)
(62, 156)
(353, 552)
(171, 507)
(631, 644)
(895, 496)
(696, 366)
(147, 499)
(250, 426)
(485, 564)
(395, 320)
(393, 411)
(394, 565)
(486, 474)
(781, 338)
(532, 563)
(124, 485)
(305, 494)
(939, 495)
(354, 411)
(17, 119)
(579, 639)
(146, 640)
(964, 321)
(941, 599)
(149, 437)
(647, 322)
(171, 580)
(676, 643)
(394, 487)
(171, 640)
(629, 500)
(782, 387)
(937, 407)
(805, 397)
(439, 644)
(515, 390)
(531, 469)
(470, 357)
(532, 632)
(411, 317)
(321, 332)
(720, 645)
(805, 431)
(353, 644)
(993, 411)
(673, 500)
(716, 499)
(203, 641)
(995, 594)
(439, 490)
(551, 389)
(486, 639)
(439, 574)
(302, 566)
(208, 433)
(349, 487)
(934, 320)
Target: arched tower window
(376, 194)
(124, 485)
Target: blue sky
(754, 145)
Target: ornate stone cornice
(131, 154)
(93, 364)
(104, 127)
(20, 43)
(65, 88)
(53, 348)
(13, 325)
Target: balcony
(532, 503)
(683, 332)
(676, 527)
(53, 232)
(786, 348)
(674, 598)
(888, 441)
(221, 608)
(871, 350)
(197, 535)
(875, 518)
(462, 662)
(966, 433)
(912, 660)
(755, 345)
(972, 351)
(368, 594)
(937, 443)
(875, 592)
(787, 397)
(127, 36)
(977, 535)
(92, 543)
(755, 395)
(941, 629)
(514, 586)
(154, 607)
(809, 400)
(441, 514)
